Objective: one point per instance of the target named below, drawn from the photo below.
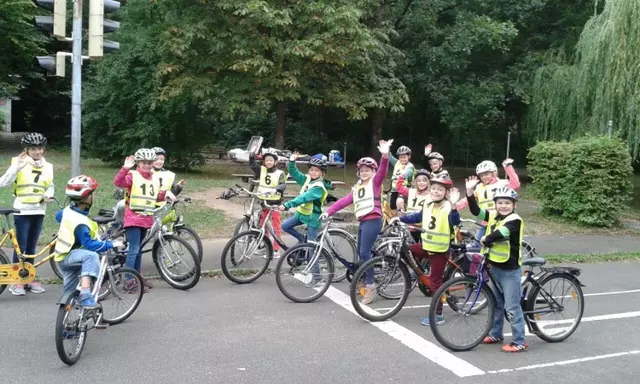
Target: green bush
(588, 179)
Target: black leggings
(393, 196)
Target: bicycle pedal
(101, 326)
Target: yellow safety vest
(144, 193)
(484, 194)
(31, 182)
(398, 170)
(269, 181)
(415, 201)
(66, 237)
(500, 251)
(435, 222)
(165, 180)
(307, 208)
(363, 198)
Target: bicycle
(24, 271)
(163, 240)
(255, 242)
(123, 283)
(533, 293)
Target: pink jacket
(123, 180)
(514, 183)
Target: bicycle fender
(64, 299)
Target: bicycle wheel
(240, 251)
(191, 236)
(554, 294)
(125, 286)
(345, 245)
(4, 259)
(176, 262)
(70, 331)
(55, 267)
(242, 226)
(299, 282)
(465, 293)
(388, 274)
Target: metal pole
(76, 88)
(344, 159)
(610, 127)
(508, 143)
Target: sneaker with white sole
(276, 254)
(369, 294)
(17, 290)
(35, 287)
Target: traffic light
(98, 26)
(54, 65)
(58, 22)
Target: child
(313, 194)
(32, 178)
(271, 183)
(365, 197)
(401, 168)
(436, 161)
(503, 243)
(142, 193)
(438, 217)
(417, 196)
(487, 171)
(165, 177)
(78, 241)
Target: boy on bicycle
(166, 178)
(77, 239)
(503, 244)
(402, 168)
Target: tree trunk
(376, 129)
(281, 108)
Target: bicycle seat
(534, 262)
(8, 211)
(103, 219)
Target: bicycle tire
(353, 288)
(192, 233)
(177, 281)
(434, 304)
(242, 226)
(282, 261)
(63, 309)
(139, 281)
(4, 259)
(55, 267)
(528, 251)
(229, 248)
(531, 299)
(334, 232)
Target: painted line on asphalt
(613, 316)
(566, 362)
(445, 359)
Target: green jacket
(313, 194)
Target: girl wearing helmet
(78, 240)
(487, 171)
(32, 179)
(503, 245)
(401, 168)
(435, 160)
(142, 192)
(166, 178)
(271, 183)
(313, 193)
(416, 197)
(365, 197)
(439, 218)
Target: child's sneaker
(369, 294)
(276, 254)
(439, 320)
(87, 300)
(492, 340)
(315, 282)
(17, 290)
(514, 348)
(35, 287)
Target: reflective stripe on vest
(165, 180)
(500, 251)
(144, 193)
(307, 208)
(435, 221)
(484, 194)
(31, 182)
(398, 170)
(269, 181)
(66, 236)
(364, 200)
(415, 201)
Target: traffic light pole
(76, 88)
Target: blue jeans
(90, 267)
(28, 228)
(509, 280)
(368, 231)
(135, 235)
(289, 227)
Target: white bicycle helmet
(505, 193)
(145, 154)
(435, 155)
(486, 166)
(403, 150)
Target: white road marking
(613, 316)
(567, 362)
(412, 340)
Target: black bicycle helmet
(422, 172)
(33, 139)
(320, 163)
(159, 151)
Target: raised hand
(129, 162)
(470, 184)
(427, 149)
(507, 162)
(294, 156)
(454, 195)
(384, 146)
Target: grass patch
(592, 257)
